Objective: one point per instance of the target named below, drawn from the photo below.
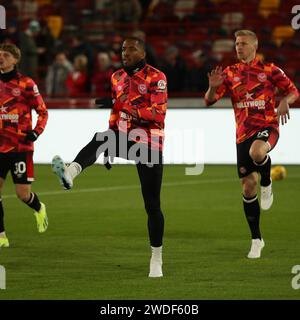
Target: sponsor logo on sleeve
(35, 90)
(161, 86)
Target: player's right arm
(217, 87)
(114, 114)
(290, 93)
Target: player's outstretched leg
(85, 158)
(65, 174)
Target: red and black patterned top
(253, 88)
(146, 92)
(18, 96)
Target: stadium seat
(184, 7)
(282, 33)
(55, 24)
(43, 2)
(223, 45)
(268, 7)
(216, 2)
(232, 21)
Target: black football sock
(156, 228)
(1, 216)
(88, 155)
(252, 212)
(264, 168)
(34, 202)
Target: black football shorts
(20, 164)
(245, 164)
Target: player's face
(245, 47)
(132, 53)
(7, 61)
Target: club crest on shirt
(243, 170)
(119, 88)
(16, 92)
(236, 79)
(142, 88)
(262, 77)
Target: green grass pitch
(97, 247)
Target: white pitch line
(117, 188)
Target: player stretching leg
(140, 102)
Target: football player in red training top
(18, 96)
(252, 85)
(136, 122)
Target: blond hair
(247, 33)
(12, 49)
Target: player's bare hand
(283, 111)
(215, 77)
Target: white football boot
(256, 247)
(156, 263)
(61, 170)
(266, 197)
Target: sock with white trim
(74, 169)
(264, 168)
(33, 202)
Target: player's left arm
(156, 111)
(36, 102)
(290, 93)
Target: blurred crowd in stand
(72, 48)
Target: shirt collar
(132, 70)
(252, 63)
(7, 76)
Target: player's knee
(250, 188)
(256, 154)
(153, 208)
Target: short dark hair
(140, 42)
